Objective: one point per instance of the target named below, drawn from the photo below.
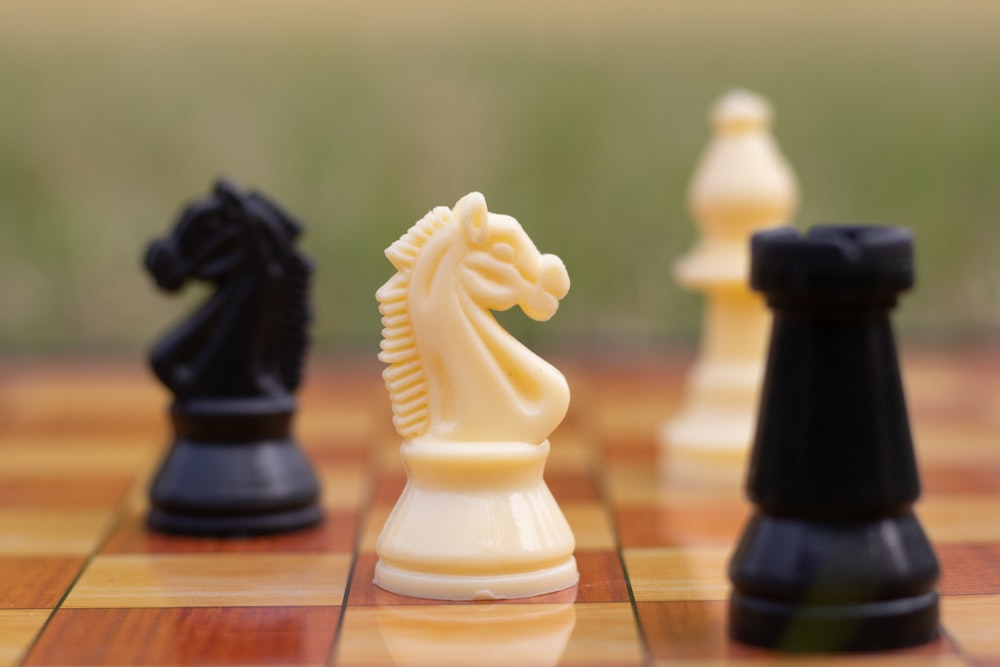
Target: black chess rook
(233, 366)
(833, 557)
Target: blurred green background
(582, 119)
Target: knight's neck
(189, 358)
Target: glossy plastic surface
(233, 366)
(476, 520)
(833, 559)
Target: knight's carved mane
(405, 377)
(293, 338)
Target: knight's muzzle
(165, 266)
(555, 279)
(552, 285)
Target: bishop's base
(706, 448)
(708, 441)
(870, 626)
(476, 587)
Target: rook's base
(872, 626)
(706, 449)
(862, 584)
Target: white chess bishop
(476, 407)
(742, 184)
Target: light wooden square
(344, 486)
(675, 574)
(52, 532)
(604, 634)
(74, 458)
(631, 417)
(570, 450)
(961, 519)
(210, 580)
(18, 628)
(490, 634)
(639, 483)
(973, 623)
(591, 525)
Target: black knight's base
(234, 470)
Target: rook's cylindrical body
(833, 558)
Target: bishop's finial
(742, 182)
(741, 110)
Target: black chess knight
(233, 367)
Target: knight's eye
(503, 251)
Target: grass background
(582, 119)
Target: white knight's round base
(475, 521)
(476, 587)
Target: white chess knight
(742, 184)
(476, 407)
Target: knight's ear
(472, 214)
(225, 189)
(228, 195)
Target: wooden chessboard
(82, 582)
